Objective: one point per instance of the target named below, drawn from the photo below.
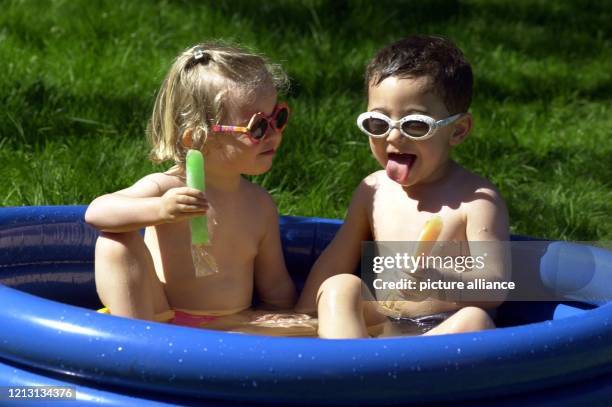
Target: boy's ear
(187, 138)
(462, 129)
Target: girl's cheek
(238, 153)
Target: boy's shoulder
(368, 185)
(482, 205)
(474, 187)
(375, 180)
(485, 211)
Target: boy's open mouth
(399, 166)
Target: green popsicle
(195, 179)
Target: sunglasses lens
(281, 118)
(259, 129)
(415, 128)
(375, 126)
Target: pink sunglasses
(259, 123)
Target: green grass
(78, 80)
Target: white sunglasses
(414, 126)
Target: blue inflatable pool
(544, 353)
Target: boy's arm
(272, 281)
(487, 217)
(144, 204)
(343, 254)
(487, 222)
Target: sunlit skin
(385, 209)
(435, 185)
(237, 152)
(397, 98)
(242, 221)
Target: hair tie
(200, 56)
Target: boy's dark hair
(422, 55)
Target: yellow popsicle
(429, 235)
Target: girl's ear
(462, 129)
(187, 138)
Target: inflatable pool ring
(545, 353)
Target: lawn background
(78, 80)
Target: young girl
(222, 101)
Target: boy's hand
(416, 276)
(182, 203)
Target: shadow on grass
(353, 19)
(335, 29)
(585, 22)
(40, 111)
(573, 28)
(571, 31)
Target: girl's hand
(178, 204)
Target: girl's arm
(274, 285)
(145, 203)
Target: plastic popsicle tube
(195, 179)
(429, 235)
(395, 301)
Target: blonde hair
(194, 94)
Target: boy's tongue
(398, 167)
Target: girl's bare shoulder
(258, 196)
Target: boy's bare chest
(397, 218)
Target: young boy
(419, 91)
